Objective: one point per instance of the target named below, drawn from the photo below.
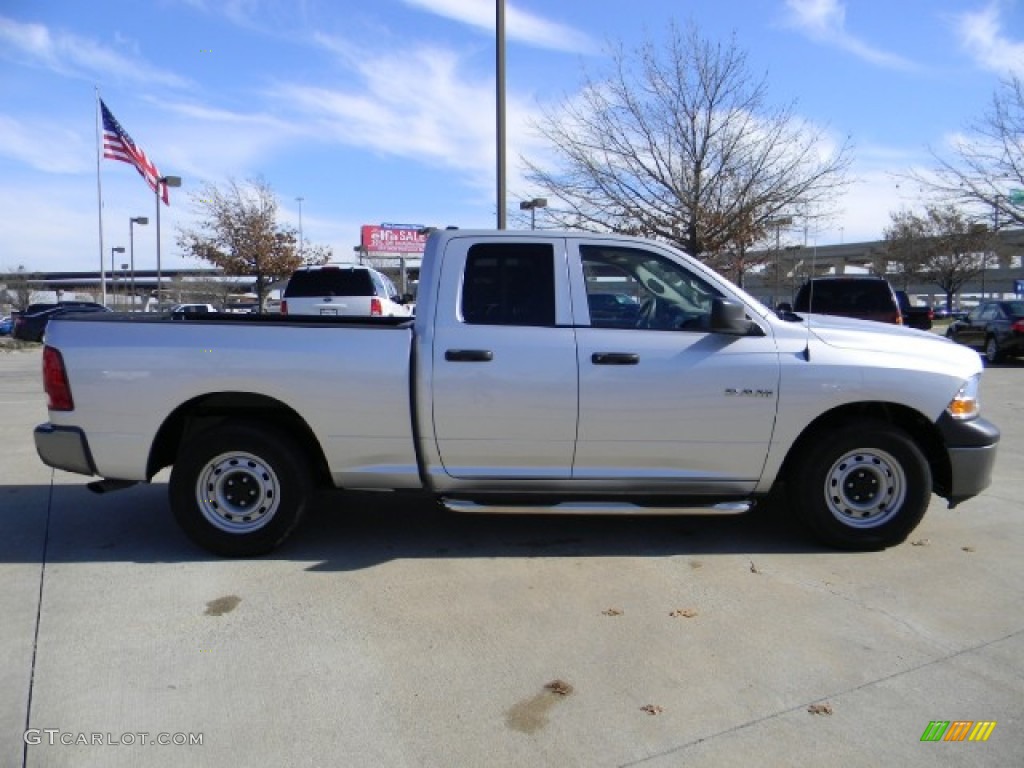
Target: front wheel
(862, 487)
(239, 489)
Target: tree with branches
(678, 143)
(943, 246)
(985, 163)
(239, 232)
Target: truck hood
(869, 336)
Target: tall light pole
(532, 206)
(300, 199)
(116, 249)
(131, 249)
(500, 106)
(163, 181)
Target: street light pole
(116, 249)
(300, 199)
(163, 181)
(532, 206)
(131, 249)
(500, 106)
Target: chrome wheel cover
(238, 492)
(865, 488)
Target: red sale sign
(393, 238)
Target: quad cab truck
(506, 394)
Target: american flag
(118, 145)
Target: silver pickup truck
(543, 372)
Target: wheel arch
(921, 430)
(208, 410)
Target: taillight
(1018, 327)
(375, 308)
(284, 306)
(55, 381)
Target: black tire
(992, 352)
(239, 489)
(861, 487)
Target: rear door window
(509, 284)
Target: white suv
(344, 289)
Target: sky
(376, 111)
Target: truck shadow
(350, 532)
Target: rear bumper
(64, 448)
(971, 446)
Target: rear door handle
(615, 358)
(468, 355)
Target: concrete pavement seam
(835, 695)
(39, 614)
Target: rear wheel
(239, 489)
(992, 352)
(861, 487)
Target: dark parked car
(915, 317)
(30, 326)
(865, 297)
(995, 327)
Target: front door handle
(615, 358)
(468, 355)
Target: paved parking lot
(388, 634)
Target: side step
(594, 508)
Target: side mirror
(729, 317)
(784, 306)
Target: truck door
(664, 403)
(504, 360)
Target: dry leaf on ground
(560, 687)
(685, 613)
(612, 612)
(820, 709)
(652, 709)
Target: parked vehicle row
(31, 324)
(994, 327)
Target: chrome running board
(594, 508)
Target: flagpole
(99, 193)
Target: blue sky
(383, 110)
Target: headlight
(965, 404)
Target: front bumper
(64, 448)
(971, 446)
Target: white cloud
(417, 104)
(520, 25)
(44, 146)
(981, 35)
(69, 54)
(824, 21)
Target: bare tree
(943, 246)
(239, 233)
(678, 143)
(988, 159)
(19, 289)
